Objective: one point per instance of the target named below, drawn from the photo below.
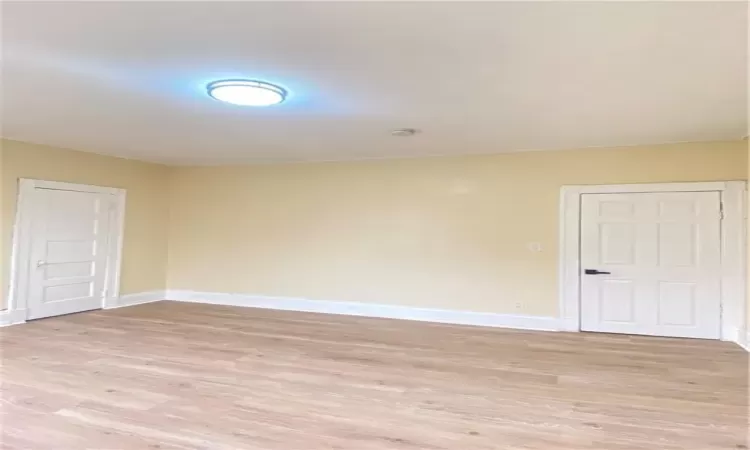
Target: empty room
(374, 225)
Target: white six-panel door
(654, 263)
(69, 251)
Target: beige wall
(439, 232)
(145, 244)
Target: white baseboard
(744, 341)
(8, 318)
(139, 299)
(737, 335)
(370, 310)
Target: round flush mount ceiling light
(246, 92)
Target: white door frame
(20, 267)
(733, 251)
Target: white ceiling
(129, 79)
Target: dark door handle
(595, 272)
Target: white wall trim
(16, 317)
(369, 310)
(651, 187)
(736, 335)
(734, 246)
(21, 247)
(734, 268)
(116, 243)
(138, 299)
(743, 340)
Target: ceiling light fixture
(246, 92)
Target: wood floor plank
(187, 376)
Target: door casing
(22, 237)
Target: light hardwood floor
(186, 376)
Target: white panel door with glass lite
(651, 264)
(69, 243)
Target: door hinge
(721, 211)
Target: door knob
(595, 272)
(41, 263)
